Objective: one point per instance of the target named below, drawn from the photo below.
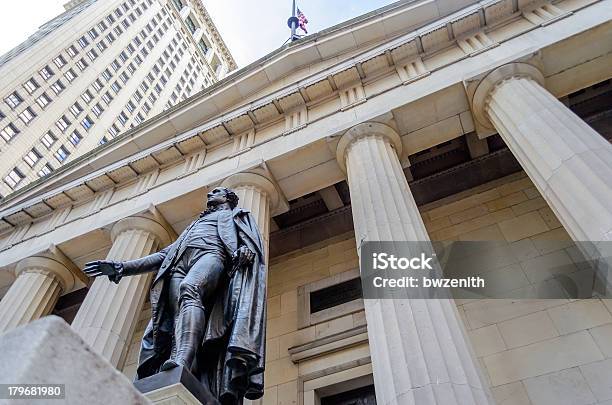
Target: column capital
(363, 130)
(143, 222)
(249, 179)
(51, 264)
(491, 81)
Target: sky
(250, 28)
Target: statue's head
(221, 195)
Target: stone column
(258, 195)
(39, 284)
(419, 349)
(568, 161)
(108, 315)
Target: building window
(110, 19)
(130, 106)
(92, 55)
(9, 131)
(103, 140)
(101, 46)
(48, 139)
(107, 98)
(83, 42)
(102, 26)
(93, 34)
(123, 56)
(31, 86)
(116, 87)
(82, 64)
(63, 123)
(14, 178)
(123, 118)
(45, 170)
(87, 123)
(32, 157)
(124, 77)
(58, 87)
(203, 46)
(27, 115)
(13, 100)
(329, 298)
(118, 31)
(46, 73)
(76, 109)
(70, 75)
(59, 61)
(43, 100)
(97, 110)
(113, 130)
(75, 138)
(86, 97)
(110, 38)
(106, 74)
(72, 51)
(97, 85)
(61, 154)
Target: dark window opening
(360, 396)
(335, 295)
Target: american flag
(302, 20)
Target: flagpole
(293, 23)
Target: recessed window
(130, 106)
(103, 140)
(46, 73)
(43, 100)
(75, 138)
(48, 139)
(45, 170)
(70, 75)
(63, 123)
(72, 51)
(110, 19)
(87, 96)
(9, 131)
(97, 110)
(116, 87)
(116, 65)
(76, 109)
(107, 98)
(87, 123)
(123, 118)
(101, 46)
(93, 34)
(110, 38)
(61, 154)
(27, 115)
(13, 100)
(32, 157)
(31, 86)
(97, 85)
(14, 178)
(107, 75)
(102, 26)
(92, 55)
(118, 31)
(83, 42)
(59, 61)
(82, 64)
(113, 130)
(58, 87)
(124, 77)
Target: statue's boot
(188, 335)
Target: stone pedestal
(419, 348)
(48, 351)
(40, 281)
(175, 387)
(109, 313)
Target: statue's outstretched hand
(114, 270)
(243, 256)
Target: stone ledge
(329, 344)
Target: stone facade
(442, 121)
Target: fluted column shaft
(568, 161)
(108, 316)
(39, 284)
(419, 349)
(257, 194)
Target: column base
(177, 386)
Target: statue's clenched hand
(242, 256)
(114, 270)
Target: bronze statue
(208, 301)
